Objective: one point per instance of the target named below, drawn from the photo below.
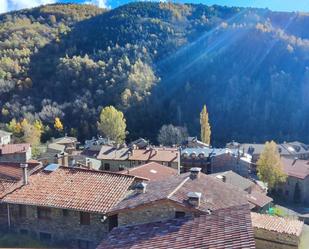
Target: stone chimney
(195, 173)
(140, 187)
(194, 198)
(24, 168)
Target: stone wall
(17, 157)
(64, 226)
(156, 212)
(288, 189)
(273, 240)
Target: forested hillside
(159, 63)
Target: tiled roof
(259, 199)
(13, 171)
(72, 188)
(215, 193)
(14, 148)
(111, 153)
(235, 179)
(152, 171)
(154, 155)
(65, 140)
(296, 168)
(227, 228)
(6, 185)
(277, 224)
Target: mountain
(159, 63)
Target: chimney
(24, 167)
(194, 198)
(140, 187)
(195, 173)
(178, 161)
(89, 163)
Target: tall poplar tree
(205, 127)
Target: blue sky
(282, 5)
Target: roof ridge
(102, 172)
(178, 187)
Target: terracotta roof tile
(277, 224)
(215, 193)
(72, 188)
(14, 148)
(296, 168)
(152, 171)
(12, 171)
(227, 228)
(155, 154)
(259, 199)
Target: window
(113, 222)
(65, 212)
(22, 211)
(84, 218)
(179, 214)
(44, 213)
(46, 237)
(23, 231)
(169, 164)
(84, 244)
(107, 166)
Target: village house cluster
(103, 195)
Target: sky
(281, 5)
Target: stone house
(175, 211)
(5, 137)
(15, 153)
(189, 194)
(296, 187)
(276, 232)
(257, 197)
(226, 228)
(163, 155)
(151, 171)
(114, 158)
(64, 206)
(70, 143)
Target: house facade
(64, 206)
(296, 188)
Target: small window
(23, 231)
(169, 164)
(45, 237)
(84, 244)
(44, 213)
(179, 214)
(65, 212)
(22, 211)
(84, 218)
(113, 221)
(107, 166)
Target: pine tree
(269, 165)
(205, 127)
